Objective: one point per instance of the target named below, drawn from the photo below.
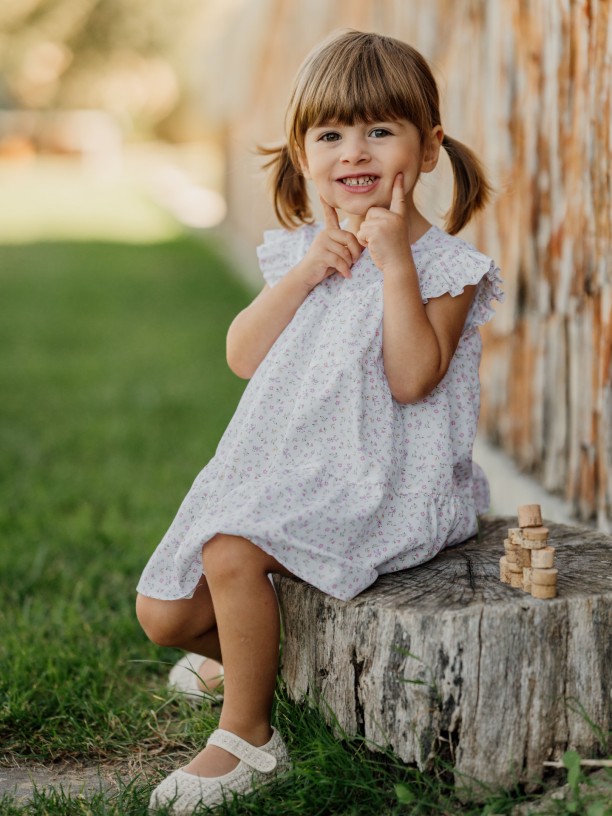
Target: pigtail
(289, 192)
(472, 190)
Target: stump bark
(443, 660)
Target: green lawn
(115, 393)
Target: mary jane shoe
(181, 792)
(183, 678)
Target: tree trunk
(443, 660)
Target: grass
(115, 393)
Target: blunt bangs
(359, 78)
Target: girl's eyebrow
(397, 122)
(374, 123)
(327, 126)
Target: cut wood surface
(446, 660)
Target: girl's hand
(333, 250)
(385, 232)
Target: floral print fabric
(320, 466)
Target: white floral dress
(320, 466)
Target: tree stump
(444, 660)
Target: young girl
(350, 452)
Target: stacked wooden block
(528, 563)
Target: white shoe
(184, 679)
(258, 766)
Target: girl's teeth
(361, 181)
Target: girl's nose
(354, 150)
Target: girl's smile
(358, 183)
(354, 166)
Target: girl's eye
(379, 132)
(329, 137)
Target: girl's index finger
(330, 215)
(398, 196)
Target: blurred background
(133, 124)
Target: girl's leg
(188, 624)
(248, 622)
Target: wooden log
(537, 544)
(543, 591)
(544, 577)
(543, 558)
(513, 555)
(515, 536)
(535, 534)
(527, 579)
(516, 578)
(529, 515)
(444, 660)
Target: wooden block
(504, 574)
(527, 579)
(515, 536)
(513, 555)
(544, 577)
(535, 534)
(544, 558)
(528, 544)
(529, 515)
(525, 557)
(544, 593)
(516, 579)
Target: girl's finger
(342, 251)
(376, 212)
(352, 244)
(362, 238)
(339, 264)
(330, 215)
(398, 196)
(348, 241)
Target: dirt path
(74, 780)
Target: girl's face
(353, 166)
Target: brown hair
(358, 77)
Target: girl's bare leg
(188, 624)
(248, 623)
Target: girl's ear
(432, 149)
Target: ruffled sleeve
(282, 249)
(452, 269)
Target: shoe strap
(251, 754)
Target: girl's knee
(220, 558)
(227, 557)
(156, 622)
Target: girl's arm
(418, 340)
(255, 329)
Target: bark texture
(444, 660)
